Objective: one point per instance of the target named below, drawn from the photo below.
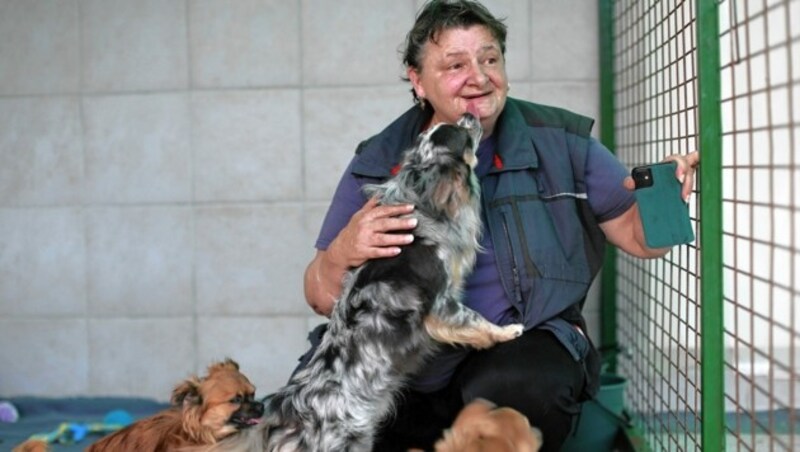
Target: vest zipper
(526, 257)
(514, 269)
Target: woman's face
(465, 66)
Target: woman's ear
(413, 76)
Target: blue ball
(120, 417)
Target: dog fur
(205, 411)
(482, 427)
(393, 312)
(32, 445)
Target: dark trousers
(533, 374)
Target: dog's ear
(450, 192)
(187, 393)
(231, 364)
(228, 364)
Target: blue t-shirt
(483, 289)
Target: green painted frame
(710, 226)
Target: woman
(552, 197)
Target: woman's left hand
(684, 172)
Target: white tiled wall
(165, 165)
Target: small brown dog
(206, 410)
(482, 427)
(32, 445)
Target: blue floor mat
(43, 415)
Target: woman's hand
(374, 231)
(626, 231)
(684, 172)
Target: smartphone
(665, 217)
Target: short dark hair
(438, 15)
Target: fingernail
(682, 177)
(412, 223)
(409, 238)
(410, 207)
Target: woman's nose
(478, 74)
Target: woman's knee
(535, 376)
(531, 394)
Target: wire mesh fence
(760, 74)
(659, 307)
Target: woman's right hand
(374, 231)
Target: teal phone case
(665, 217)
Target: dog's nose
(258, 408)
(469, 121)
(469, 118)
(473, 126)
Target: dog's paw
(510, 332)
(537, 438)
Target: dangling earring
(421, 103)
(508, 87)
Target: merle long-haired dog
(393, 312)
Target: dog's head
(443, 142)
(481, 426)
(219, 404)
(436, 173)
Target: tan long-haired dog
(32, 445)
(205, 410)
(482, 427)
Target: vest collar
(378, 155)
(515, 141)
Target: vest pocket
(539, 245)
(545, 239)
(576, 343)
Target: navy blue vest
(547, 243)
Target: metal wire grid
(658, 321)
(760, 56)
(658, 309)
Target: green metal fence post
(608, 307)
(710, 142)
